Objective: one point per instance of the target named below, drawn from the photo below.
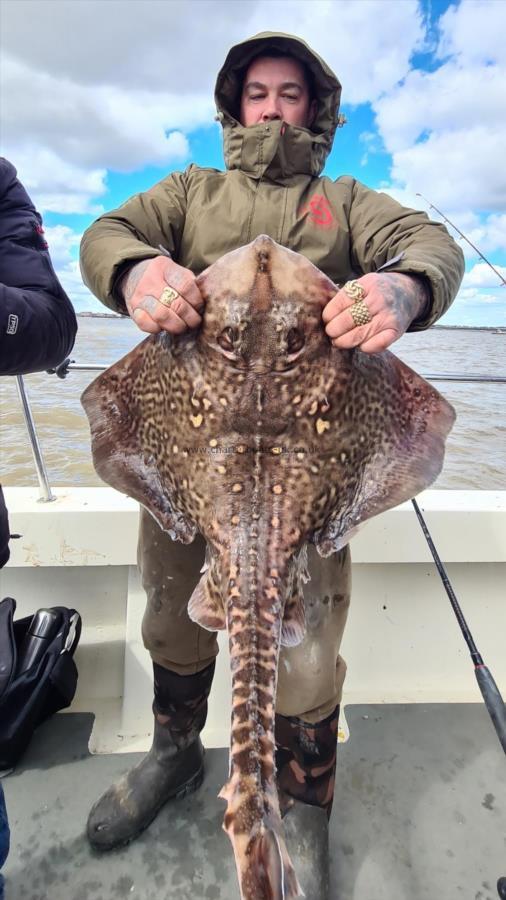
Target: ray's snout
(263, 247)
(263, 312)
(263, 241)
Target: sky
(100, 99)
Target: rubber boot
(173, 767)
(306, 769)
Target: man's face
(276, 88)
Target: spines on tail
(264, 868)
(253, 820)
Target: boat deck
(419, 814)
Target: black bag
(38, 675)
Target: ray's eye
(228, 338)
(294, 340)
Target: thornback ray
(258, 433)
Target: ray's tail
(252, 819)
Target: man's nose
(272, 110)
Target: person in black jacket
(37, 320)
(37, 324)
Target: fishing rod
(480, 254)
(489, 690)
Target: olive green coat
(273, 186)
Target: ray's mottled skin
(259, 434)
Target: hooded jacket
(272, 185)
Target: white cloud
(139, 45)
(59, 163)
(371, 143)
(170, 46)
(486, 232)
(62, 242)
(475, 306)
(98, 126)
(82, 298)
(90, 86)
(359, 39)
(118, 85)
(446, 129)
(456, 97)
(482, 276)
(475, 30)
(404, 196)
(66, 203)
(54, 183)
(470, 295)
(492, 234)
(462, 169)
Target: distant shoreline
(495, 328)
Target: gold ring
(167, 296)
(359, 312)
(354, 291)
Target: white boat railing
(46, 495)
(69, 364)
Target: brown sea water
(476, 449)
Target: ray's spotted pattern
(256, 432)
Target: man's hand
(394, 300)
(142, 286)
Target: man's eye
(256, 96)
(290, 97)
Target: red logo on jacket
(318, 212)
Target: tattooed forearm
(406, 296)
(130, 280)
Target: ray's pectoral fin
(293, 627)
(403, 448)
(205, 606)
(123, 435)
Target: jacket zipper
(279, 237)
(257, 185)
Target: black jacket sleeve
(37, 320)
(4, 531)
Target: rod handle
(493, 701)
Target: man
(278, 103)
